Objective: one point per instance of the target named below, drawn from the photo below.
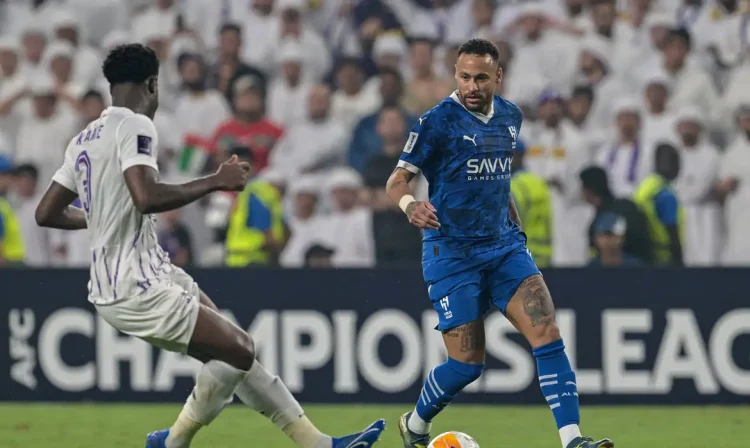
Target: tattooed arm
(513, 213)
(398, 184)
(420, 213)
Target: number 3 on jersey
(83, 169)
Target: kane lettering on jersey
(125, 256)
(466, 159)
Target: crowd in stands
(320, 95)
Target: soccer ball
(453, 439)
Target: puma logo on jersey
(471, 139)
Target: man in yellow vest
(11, 240)
(534, 204)
(659, 203)
(256, 232)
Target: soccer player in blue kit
(474, 251)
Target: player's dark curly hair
(480, 47)
(130, 63)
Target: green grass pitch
(124, 426)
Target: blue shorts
(461, 289)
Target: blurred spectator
(317, 143)
(349, 227)
(256, 230)
(650, 60)
(249, 125)
(737, 92)
(522, 87)
(657, 199)
(13, 89)
(174, 237)
(557, 152)
(597, 72)
(533, 201)
(627, 158)
(292, 27)
(425, 88)
(42, 137)
(373, 17)
(86, 60)
(11, 238)
(691, 86)
(365, 139)
(389, 51)
(34, 41)
(658, 121)
(198, 110)
(656, 27)
(542, 49)
(229, 67)
(258, 32)
(319, 256)
(351, 101)
(609, 232)
(306, 223)
(19, 16)
(397, 242)
(59, 57)
(24, 199)
(579, 113)
(161, 15)
(699, 169)
(290, 89)
(734, 190)
(606, 27)
(595, 191)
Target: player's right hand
(422, 215)
(233, 175)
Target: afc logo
(445, 304)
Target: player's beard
(476, 102)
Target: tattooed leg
(531, 311)
(465, 343)
(465, 363)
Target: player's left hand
(422, 215)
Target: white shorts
(164, 315)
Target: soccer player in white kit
(111, 166)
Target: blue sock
(558, 382)
(442, 384)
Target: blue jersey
(466, 159)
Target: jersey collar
(122, 110)
(484, 118)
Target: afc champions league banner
(634, 336)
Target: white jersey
(126, 259)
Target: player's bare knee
(547, 333)
(244, 351)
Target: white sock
(214, 389)
(268, 395)
(568, 433)
(417, 425)
(182, 432)
(306, 435)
